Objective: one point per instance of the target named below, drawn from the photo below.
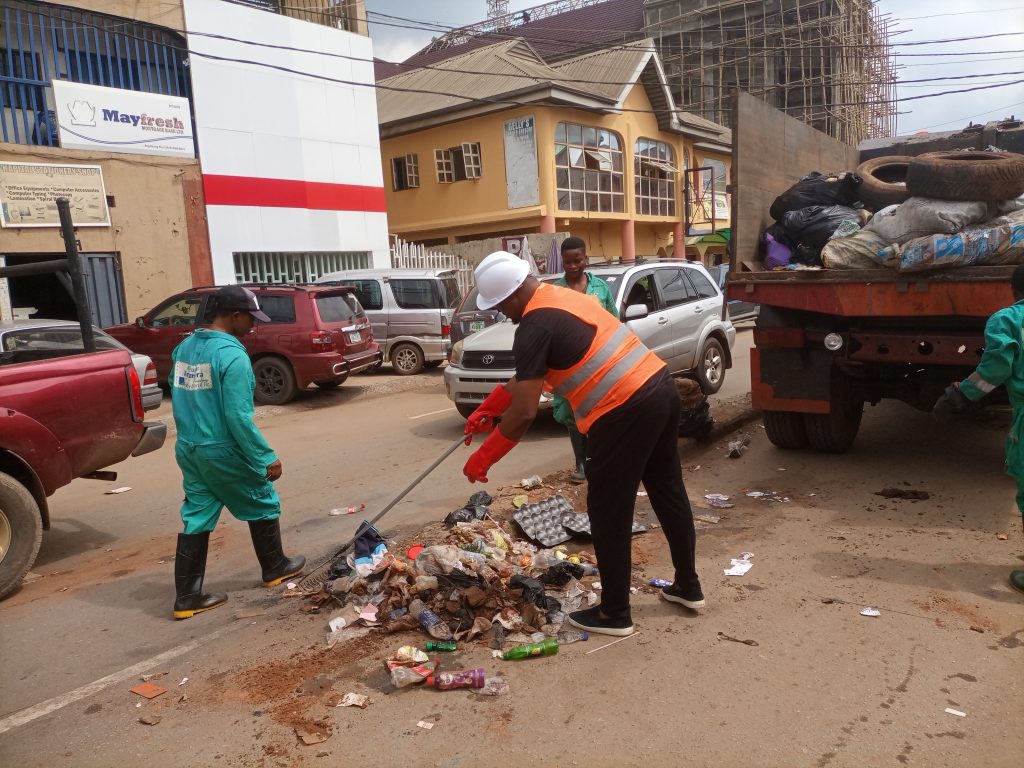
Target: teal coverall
(222, 455)
(1003, 363)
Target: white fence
(412, 256)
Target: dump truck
(829, 341)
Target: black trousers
(638, 441)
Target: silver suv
(673, 306)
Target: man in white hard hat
(624, 401)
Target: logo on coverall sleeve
(192, 377)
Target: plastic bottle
(441, 645)
(547, 648)
(430, 621)
(349, 510)
(403, 676)
(447, 681)
(567, 636)
(494, 686)
(660, 583)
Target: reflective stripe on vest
(614, 367)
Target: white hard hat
(497, 278)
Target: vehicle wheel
(407, 359)
(835, 432)
(711, 366)
(883, 181)
(966, 176)
(275, 382)
(21, 531)
(431, 364)
(465, 410)
(785, 430)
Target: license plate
(476, 325)
(354, 337)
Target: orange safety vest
(615, 366)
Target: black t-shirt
(550, 338)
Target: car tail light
(134, 392)
(446, 330)
(323, 341)
(150, 375)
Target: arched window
(588, 169)
(655, 173)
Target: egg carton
(579, 523)
(542, 520)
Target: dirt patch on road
(944, 604)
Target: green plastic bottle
(441, 645)
(547, 648)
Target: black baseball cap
(237, 298)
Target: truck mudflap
(795, 380)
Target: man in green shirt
(224, 460)
(1002, 363)
(574, 262)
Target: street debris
(737, 447)
(641, 493)
(976, 628)
(713, 519)
(493, 686)
(1002, 536)
(956, 712)
(349, 510)
(529, 483)
(425, 725)
(30, 577)
(474, 509)
(660, 583)
(122, 489)
(149, 719)
(355, 700)
(723, 636)
(903, 493)
(312, 733)
(449, 681)
(768, 496)
(154, 676)
(520, 500)
(248, 613)
(148, 690)
(718, 500)
(870, 612)
(183, 681)
(609, 645)
(739, 566)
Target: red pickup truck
(61, 419)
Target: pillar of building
(678, 241)
(628, 241)
(547, 225)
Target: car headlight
(456, 358)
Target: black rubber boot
(1017, 580)
(189, 570)
(266, 540)
(579, 451)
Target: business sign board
(29, 192)
(116, 120)
(521, 176)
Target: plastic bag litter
(561, 573)
(696, 422)
(438, 560)
(922, 217)
(474, 509)
(777, 254)
(999, 241)
(817, 189)
(370, 550)
(810, 228)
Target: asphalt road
(824, 687)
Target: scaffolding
(825, 62)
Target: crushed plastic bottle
(493, 686)
(660, 583)
(434, 625)
(403, 676)
(548, 647)
(568, 636)
(441, 645)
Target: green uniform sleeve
(237, 385)
(599, 288)
(1002, 354)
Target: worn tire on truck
(835, 432)
(883, 181)
(21, 531)
(785, 430)
(275, 381)
(966, 176)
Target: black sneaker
(592, 621)
(691, 598)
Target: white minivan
(410, 311)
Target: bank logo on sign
(82, 113)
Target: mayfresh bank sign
(115, 120)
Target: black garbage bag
(532, 588)
(339, 569)
(810, 228)
(561, 572)
(475, 509)
(479, 499)
(460, 580)
(696, 422)
(817, 189)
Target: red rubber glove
(491, 452)
(482, 419)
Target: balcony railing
(337, 14)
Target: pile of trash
(479, 584)
(855, 220)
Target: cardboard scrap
(312, 734)
(355, 700)
(148, 690)
(425, 725)
(248, 613)
(148, 719)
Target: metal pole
(74, 268)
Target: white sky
(920, 20)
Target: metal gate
(412, 256)
(105, 287)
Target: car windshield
(55, 338)
(339, 307)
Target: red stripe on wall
(291, 193)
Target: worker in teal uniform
(1002, 363)
(574, 262)
(224, 460)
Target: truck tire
(275, 381)
(967, 176)
(711, 366)
(835, 432)
(465, 411)
(21, 531)
(407, 359)
(883, 181)
(785, 430)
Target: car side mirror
(140, 321)
(635, 312)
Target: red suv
(317, 335)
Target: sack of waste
(922, 216)
(996, 242)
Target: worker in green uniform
(224, 460)
(574, 262)
(1002, 363)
